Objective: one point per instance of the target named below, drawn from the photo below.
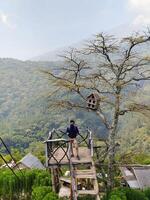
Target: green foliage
(43, 193)
(42, 179)
(12, 187)
(134, 139)
(127, 194)
(147, 193)
(16, 154)
(118, 195)
(87, 197)
(135, 195)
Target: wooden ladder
(87, 174)
(83, 174)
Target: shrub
(133, 194)
(12, 187)
(50, 196)
(115, 197)
(117, 194)
(87, 197)
(127, 194)
(43, 193)
(147, 193)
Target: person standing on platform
(72, 132)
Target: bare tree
(113, 69)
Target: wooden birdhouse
(93, 101)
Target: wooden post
(55, 179)
(73, 188)
(97, 197)
(91, 143)
(46, 154)
(52, 178)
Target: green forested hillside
(21, 99)
(134, 131)
(26, 118)
(25, 115)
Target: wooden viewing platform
(59, 156)
(82, 179)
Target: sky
(29, 28)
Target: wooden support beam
(55, 179)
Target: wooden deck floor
(84, 154)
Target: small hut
(136, 176)
(30, 162)
(93, 101)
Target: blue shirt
(72, 131)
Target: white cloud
(5, 19)
(141, 9)
(141, 20)
(141, 5)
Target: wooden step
(85, 174)
(87, 171)
(85, 192)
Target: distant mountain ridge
(120, 31)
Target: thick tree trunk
(112, 139)
(111, 159)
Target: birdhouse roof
(95, 95)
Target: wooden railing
(58, 139)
